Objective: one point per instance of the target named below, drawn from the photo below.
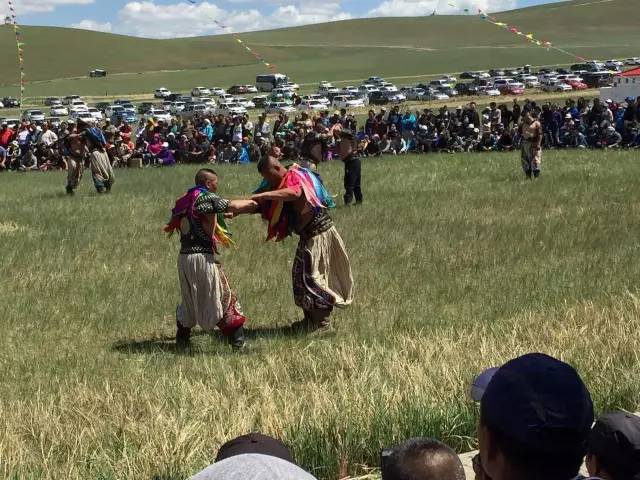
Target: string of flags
(240, 42)
(530, 37)
(19, 47)
(527, 36)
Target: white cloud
(92, 25)
(411, 8)
(39, 6)
(148, 19)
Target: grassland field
(459, 263)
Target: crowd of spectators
(576, 124)
(536, 422)
(227, 139)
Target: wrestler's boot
(304, 324)
(183, 334)
(237, 340)
(321, 321)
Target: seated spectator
(253, 457)
(613, 451)
(373, 147)
(505, 140)
(228, 155)
(165, 157)
(422, 459)
(3, 159)
(28, 161)
(123, 150)
(611, 138)
(385, 144)
(243, 152)
(13, 155)
(535, 419)
(487, 142)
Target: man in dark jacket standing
(352, 166)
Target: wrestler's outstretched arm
(239, 207)
(284, 194)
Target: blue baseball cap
(537, 402)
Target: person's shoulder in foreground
(422, 459)
(613, 451)
(253, 457)
(535, 419)
(253, 466)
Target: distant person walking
(531, 144)
(101, 169)
(74, 151)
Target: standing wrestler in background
(531, 144)
(74, 151)
(348, 152)
(101, 169)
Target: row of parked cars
(495, 82)
(9, 102)
(219, 101)
(374, 90)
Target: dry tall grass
(459, 265)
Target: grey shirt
(252, 466)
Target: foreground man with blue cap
(535, 419)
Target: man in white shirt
(48, 137)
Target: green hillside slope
(343, 50)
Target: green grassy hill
(346, 50)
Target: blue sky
(171, 18)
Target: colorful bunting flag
(19, 48)
(529, 36)
(270, 66)
(258, 57)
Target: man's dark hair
(203, 173)
(530, 463)
(263, 163)
(422, 459)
